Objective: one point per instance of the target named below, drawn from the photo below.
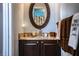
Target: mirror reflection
(39, 13)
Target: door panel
(30, 50)
(50, 50)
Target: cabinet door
(50, 48)
(30, 48)
(20, 48)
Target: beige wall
(17, 18)
(29, 27)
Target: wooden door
(51, 48)
(31, 48)
(28, 48)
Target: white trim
(5, 30)
(7, 41)
(10, 29)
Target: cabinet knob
(42, 42)
(37, 42)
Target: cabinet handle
(29, 44)
(42, 42)
(37, 42)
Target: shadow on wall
(69, 9)
(1, 29)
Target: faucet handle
(37, 42)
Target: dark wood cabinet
(28, 48)
(39, 48)
(50, 48)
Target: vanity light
(23, 25)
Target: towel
(74, 32)
(64, 53)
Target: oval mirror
(39, 14)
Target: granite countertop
(38, 38)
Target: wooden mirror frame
(31, 16)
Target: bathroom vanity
(39, 43)
(39, 47)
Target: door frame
(7, 29)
